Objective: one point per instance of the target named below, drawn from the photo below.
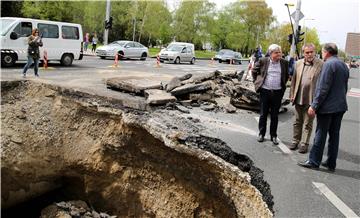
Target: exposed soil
(126, 162)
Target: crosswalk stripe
(337, 202)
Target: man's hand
(311, 112)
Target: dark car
(227, 55)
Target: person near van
(270, 75)
(94, 42)
(303, 83)
(86, 41)
(34, 42)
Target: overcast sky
(333, 19)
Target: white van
(62, 41)
(178, 52)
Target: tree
(192, 21)
(10, 8)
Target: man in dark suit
(329, 104)
(270, 75)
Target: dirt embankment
(125, 162)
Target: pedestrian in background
(270, 75)
(303, 83)
(86, 41)
(329, 105)
(34, 41)
(94, 42)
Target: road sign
(301, 15)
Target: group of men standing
(317, 88)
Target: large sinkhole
(59, 144)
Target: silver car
(178, 52)
(227, 55)
(125, 49)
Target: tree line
(241, 25)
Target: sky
(333, 19)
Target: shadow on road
(343, 172)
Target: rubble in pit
(70, 209)
(213, 91)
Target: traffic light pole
(107, 17)
(292, 29)
(293, 48)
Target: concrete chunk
(158, 97)
(189, 88)
(133, 85)
(174, 82)
(203, 77)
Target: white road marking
(284, 148)
(281, 145)
(337, 202)
(354, 92)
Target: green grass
(198, 53)
(204, 54)
(153, 51)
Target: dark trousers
(269, 100)
(326, 123)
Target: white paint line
(337, 202)
(281, 145)
(355, 90)
(284, 148)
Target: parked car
(227, 55)
(125, 49)
(178, 52)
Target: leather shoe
(325, 164)
(307, 164)
(260, 138)
(293, 146)
(274, 140)
(303, 149)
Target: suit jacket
(297, 77)
(331, 87)
(260, 69)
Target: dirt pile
(125, 162)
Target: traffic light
(290, 38)
(298, 35)
(108, 24)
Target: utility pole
(107, 17)
(296, 24)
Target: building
(352, 47)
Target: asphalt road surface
(298, 192)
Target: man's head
(275, 52)
(329, 49)
(309, 52)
